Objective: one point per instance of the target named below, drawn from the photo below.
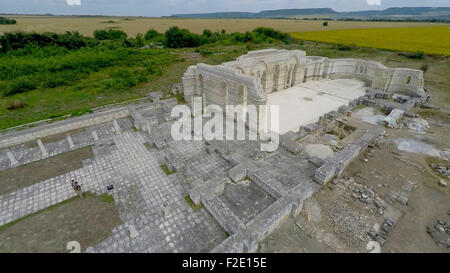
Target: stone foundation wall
(17, 137)
(335, 166)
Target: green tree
(177, 38)
(110, 34)
(152, 34)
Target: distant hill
(419, 12)
(262, 14)
(391, 13)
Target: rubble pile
(365, 195)
(350, 225)
(381, 235)
(441, 170)
(401, 196)
(440, 233)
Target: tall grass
(52, 66)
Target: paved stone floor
(306, 102)
(151, 204)
(154, 212)
(246, 199)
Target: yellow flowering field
(431, 40)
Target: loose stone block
(70, 141)
(12, 159)
(116, 127)
(237, 173)
(42, 147)
(155, 96)
(148, 127)
(95, 136)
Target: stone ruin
(241, 193)
(252, 77)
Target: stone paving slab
(29, 152)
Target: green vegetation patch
(358, 107)
(179, 97)
(107, 198)
(148, 146)
(7, 21)
(56, 75)
(192, 204)
(61, 67)
(166, 170)
(434, 114)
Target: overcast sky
(169, 7)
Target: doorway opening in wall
(294, 75)
(288, 77)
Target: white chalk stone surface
(305, 103)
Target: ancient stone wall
(11, 138)
(249, 78)
(275, 69)
(375, 74)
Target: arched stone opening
(294, 75)
(288, 77)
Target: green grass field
(89, 90)
(430, 40)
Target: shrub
(152, 34)
(19, 40)
(325, 24)
(7, 21)
(424, 68)
(265, 33)
(20, 85)
(124, 78)
(53, 82)
(121, 74)
(207, 33)
(344, 47)
(413, 55)
(110, 34)
(177, 38)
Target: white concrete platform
(305, 103)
